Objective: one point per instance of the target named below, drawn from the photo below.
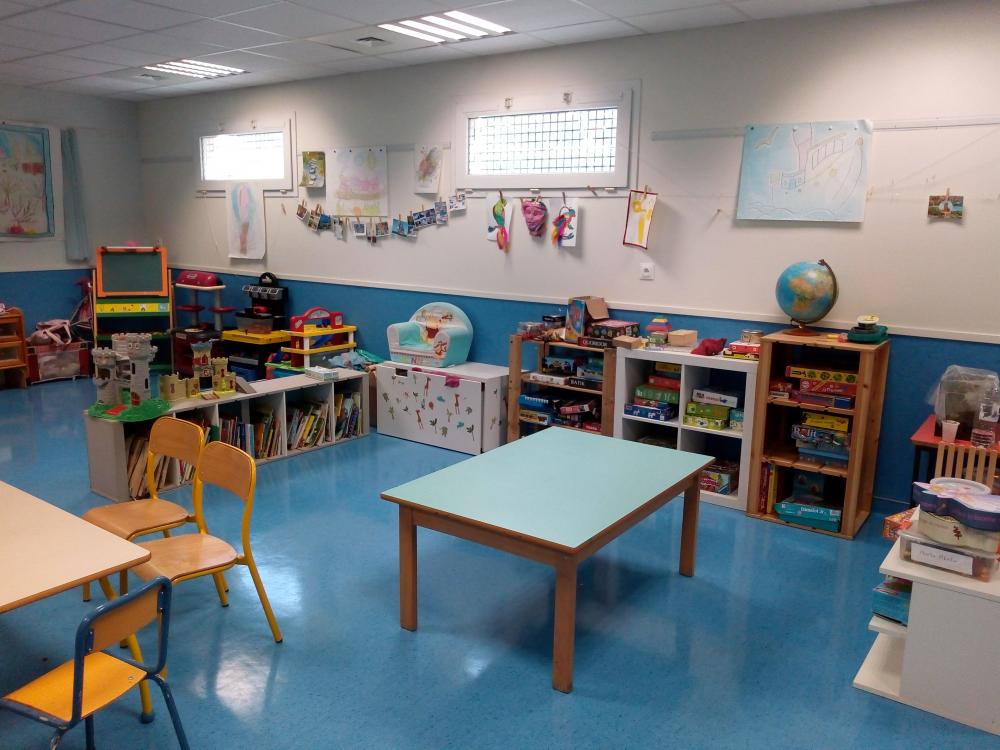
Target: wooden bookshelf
(773, 418)
(13, 353)
(517, 380)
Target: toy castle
(124, 368)
(211, 375)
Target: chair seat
(105, 679)
(137, 517)
(184, 555)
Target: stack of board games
(720, 477)
(659, 396)
(831, 388)
(600, 334)
(807, 505)
(742, 350)
(712, 408)
(545, 410)
(823, 438)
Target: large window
(261, 154)
(564, 139)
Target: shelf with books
(834, 443)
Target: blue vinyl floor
(758, 650)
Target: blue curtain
(74, 222)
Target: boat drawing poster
(807, 171)
(360, 181)
(26, 198)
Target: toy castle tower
(106, 376)
(139, 349)
(223, 381)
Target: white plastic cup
(949, 431)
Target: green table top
(562, 487)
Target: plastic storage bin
(965, 561)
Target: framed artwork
(26, 198)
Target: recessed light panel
(195, 69)
(437, 29)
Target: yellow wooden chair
(185, 556)
(76, 690)
(961, 462)
(171, 437)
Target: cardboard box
(825, 399)
(713, 411)
(651, 412)
(710, 396)
(628, 342)
(826, 421)
(667, 368)
(813, 373)
(595, 384)
(826, 386)
(594, 343)
(653, 393)
(706, 422)
(609, 328)
(891, 599)
(736, 420)
(581, 311)
(670, 384)
(895, 522)
(682, 337)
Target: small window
(260, 155)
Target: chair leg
(86, 591)
(264, 602)
(122, 590)
(175, 717)
(166, 533)
(88, 724)
(220, 586)
(56, 739)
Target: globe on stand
(806, 292)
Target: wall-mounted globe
(806, 292)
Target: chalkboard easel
(131, 271)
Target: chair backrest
(173, 438)
(961, 462)
(115, 620)
(228, 467)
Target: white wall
(886, 63)
(109, 163)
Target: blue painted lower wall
(914, 365)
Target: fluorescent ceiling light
(433, 29)
(225, 68)
(449, 24)
(195, 69)
(466, 18)
(410, 32)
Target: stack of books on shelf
(545, 410)
(348, 410)
(136, 447)
(835, 389)
(823, 439)
(307, 424)
(233, 430)
(266, 433)
(659, 396)
(713, 410)
(574, 370)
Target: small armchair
(437, 335)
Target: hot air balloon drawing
(245, 221)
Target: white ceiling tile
(497, 45)
(93, 85)
(439, 53)
(528, 15)
(9, 52)
(32, 73)
(625, 8)
(691, 18)
(8, 8)
(375, 11)
(586, 32)
(168, 47)
(360, 64)
(393, 42)
(36, 40)
(118, 84)
(81, 29)
(38, 3)
(112, 54)
(760, 9)
(74, 65)
(249, 61)
(304, 52)
(291, 20)
(208, 8)
(128, 13)
(223, 34)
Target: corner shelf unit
(517, 379)
(774, 417)
(13, 350)
(697, 371)
(945, 659)
(107, 454)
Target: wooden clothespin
(564, 198)
(592, 190)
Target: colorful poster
(313, 169)
(808, 171)
(456, 202)
(638, 218)
(245, 230)
(946, 206)
(565, 223)
(427, 162)
(26, 198)
(360, 178)
(500, 213)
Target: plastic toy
(315, 335)
(268, 303)
(438, 334)
(197, 282)
(121, 375)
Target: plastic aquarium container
(965, 561)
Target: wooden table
(44, 551)
(555, 497)
(925, 443)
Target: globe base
(800, 329)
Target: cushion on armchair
(439, 334)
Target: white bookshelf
(107, 455)
(697, 371)
(946, 659)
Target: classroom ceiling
(100, 47)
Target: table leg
(918, 454)
(407, 570)
(689, 529)
(133, 646)
(565, 625)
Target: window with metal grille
(257, 155)
(574, 141)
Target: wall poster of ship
(807, 171)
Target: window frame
(285, 183)
(619, 95)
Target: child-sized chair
(439, 334)
(959, 461)
(170, 437)
(186, 556)
(76, 690)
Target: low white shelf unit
(946, 659)
(107, 440)
(697, 371)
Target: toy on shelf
(212, 378)
(314, 335)
(438, 334)
(121, 374)
(267, 310)
(197, 282)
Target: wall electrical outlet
(646, 272)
